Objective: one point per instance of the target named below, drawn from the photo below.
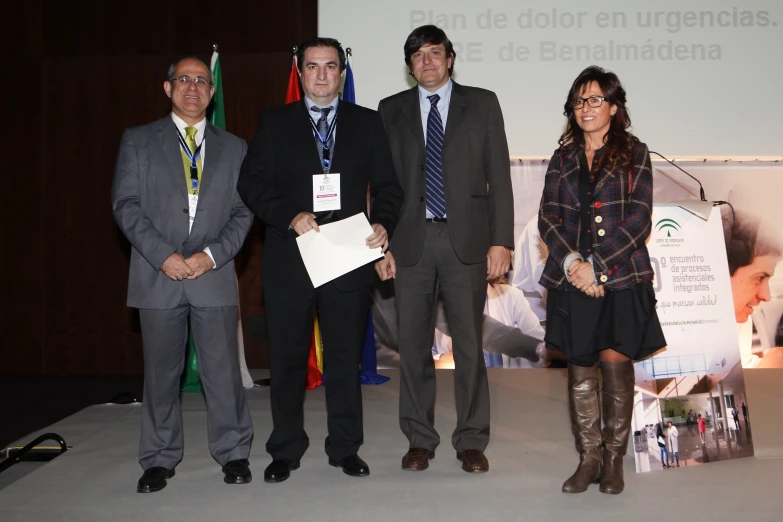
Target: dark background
(76, 75)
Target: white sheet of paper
(337, 249)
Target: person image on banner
(595, 216)
(512, 335)
(753, 254)
(296, 148)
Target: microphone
(701, 188)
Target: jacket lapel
(302, 136)
(167, 137)
(456, 110)
(213, 151)
(570, 173)
(412, 111)
(346, 133)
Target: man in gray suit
(455, 233)
(174, 197)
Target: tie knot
(434, 99)
(323, 110)
(190, 132)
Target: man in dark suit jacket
(296, 145)
(455, 233)
(186, 222)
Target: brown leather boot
(585, 425)
(617, 409)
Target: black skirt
(625, 320)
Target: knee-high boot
(585, 425)
(618, 383)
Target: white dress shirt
(329, 119)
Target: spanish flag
(315, 359)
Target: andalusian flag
(191, 382)
(217, 116)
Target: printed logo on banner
(668, 226)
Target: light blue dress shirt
(443, 108)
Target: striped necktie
(436, 196)
(323, 130)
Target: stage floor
(531, 452)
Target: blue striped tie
(436, 196)
(323, 130)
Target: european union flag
(349, 94)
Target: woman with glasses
(595, 216)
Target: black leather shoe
(279, 470)
(154, 479)
(353, 466)
(237, 472)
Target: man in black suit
(295, 146)
(455, 233)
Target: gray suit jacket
(476, 173)
(150, 204)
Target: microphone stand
(701, 188)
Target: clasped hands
(178, 268)
(581, 275)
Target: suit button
(598, 219)
(421, 198)
(421, 167)
(185, 210)
(184, 243)
(604, 279)
(601, 232)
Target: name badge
(326, 192)
(192, 205)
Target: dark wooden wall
(75, 75)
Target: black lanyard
(193, 157)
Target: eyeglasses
(592, 101)
(200, 81)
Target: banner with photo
(515, 312)
(719, 288)
(677, 419)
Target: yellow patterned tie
(190, 141)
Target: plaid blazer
(620, 215)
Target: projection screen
(704, 78)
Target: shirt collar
(180, 123)
(310, 103)
(444, 92)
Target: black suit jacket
(276, 182)
(476, 173)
